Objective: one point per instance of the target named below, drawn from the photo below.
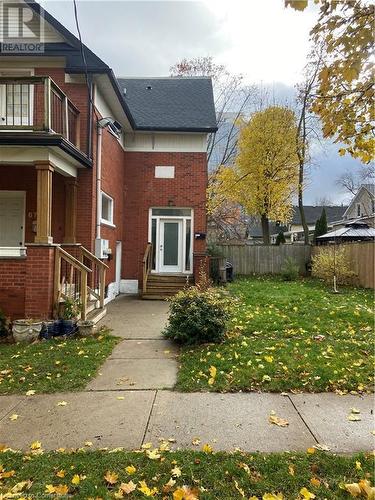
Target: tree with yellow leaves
(264, 177)
(344, 98)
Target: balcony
(37, 105)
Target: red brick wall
(39, 282)
(12, 287)
(143, 191)
(113, 159)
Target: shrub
(289, 270)
(333, 261)
(198, 315)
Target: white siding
(104, 109)
(179, 142)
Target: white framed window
(106, 209)
(358, 209)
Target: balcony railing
(36, 103)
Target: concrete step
(97, 314)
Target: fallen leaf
(291, 470)
(354, 489)
(120, 398)
(60, 473)
(306, 494)
(31, 392)
(322, 447)
(127, 488)
(315, 481)
(206, 448)
(354, 418)
(88, 443)
(311, 451)
(153, 454)
(36, 445)
(76, 479)
(130, 469)
(148, 492)
(176, 472)
(281, 422)
(185, 493)
(13, 417)
(197, 441)
(62, 403)
(111, 477)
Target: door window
(171, 244)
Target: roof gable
(364, 188)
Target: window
(180, 212)
(358, 209)
(372, 206)
(107, 209)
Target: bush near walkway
(288, 336)
(182, 475)
(56, 365)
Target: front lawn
(183, 475)
(288, 336)
(55, 365)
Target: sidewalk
(129, 403)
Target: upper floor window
(107, 209)
(358, 210)
(372, 206)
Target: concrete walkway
(129, 403)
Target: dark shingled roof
(313, 213)
(170, 104)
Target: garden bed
(288, 336)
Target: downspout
(98, 180)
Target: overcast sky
(261, 39)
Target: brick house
(102, 180)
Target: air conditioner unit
(102, 249)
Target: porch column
(44, 203)
(70, 211)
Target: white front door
(170, 246)
(12, 218)
(118, 266)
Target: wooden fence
(361, 256)
(265, 259)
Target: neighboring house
(295, 233)
(94, 169)
(362, 205)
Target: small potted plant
(85, 328)
(26, 330)
(70, 311)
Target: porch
(41, 263)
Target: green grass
(287, 336)
(54, 365)
(214, 476)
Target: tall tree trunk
(265, 230)
(300, 203)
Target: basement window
(107, 209)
